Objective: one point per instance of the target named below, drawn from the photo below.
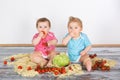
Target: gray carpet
(7, 73)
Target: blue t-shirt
(75, 46)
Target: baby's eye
(76, 27)
(40, 26)
(70, 27)
(45, 26)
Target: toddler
(77, 43)
(44, 42)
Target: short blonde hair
(75, 19)
(43, 20)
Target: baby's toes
(49, 65)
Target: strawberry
(5, 62)
(12, 58)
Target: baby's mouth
(43, 32)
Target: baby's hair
(74, 19)
(43, 20)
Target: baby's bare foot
(49, 64)
(44, 63)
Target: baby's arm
(66, 40)
(85, 50)
(35, 41)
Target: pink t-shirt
(42, 45)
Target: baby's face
(74, 28)
(43, 26)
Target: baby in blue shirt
(77, 43)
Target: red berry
(39, 71)
(104, 61)
(19, 67)
(56, 72)
(42, 71)
(70, 68)
(95, 55)
(5, 62)
(45, 44)
(38, 67)
(12, 59)
(53, 69)
(29, 68)
(63, 70)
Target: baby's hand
(49, 43)
(82, 53)
(42, 33)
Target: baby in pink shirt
(44, 43)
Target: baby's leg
(50, 57)
(37, 58)
(86, 61)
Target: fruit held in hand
(43, 32)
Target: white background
(101, 19)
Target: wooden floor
(7, 72)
